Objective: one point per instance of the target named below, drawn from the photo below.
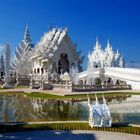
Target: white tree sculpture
(21, 62)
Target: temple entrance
(63, 64)
(97, 81)
(110, 81)
(2, 75)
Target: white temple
(55, 59)
(106, 68)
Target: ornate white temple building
(54, 55)
(100, 59)
(55, 59)
(106, 68)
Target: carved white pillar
(114, 81)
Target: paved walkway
(68, 135)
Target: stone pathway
(68, 135)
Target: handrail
(85, 88)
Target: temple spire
(26, 28)
(108, 47)
(22, 51)
(27, 34)
(96, 38)
(97, 41)
(108, 43)
(97, 45)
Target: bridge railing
(90, 88)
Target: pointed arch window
(42, 70)
(38, 70)
(34, 71)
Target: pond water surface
(19, 108)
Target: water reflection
(20, 108)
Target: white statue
(116, 58)
(109, 55)
(121, 62)
(99, 114)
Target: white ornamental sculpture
(106, 117)
(99, 114)
(109, 55)
(116, 58)
(100, 58)
(21, 62)
(121, 62)
(95, 58)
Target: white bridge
(129, 75)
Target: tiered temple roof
(49, 43)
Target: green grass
(44, 95)
(9, 93)
(72, 97)
(67, 126)
(3, 88)
(77, 97)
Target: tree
(7, 59)
(81, 59)
(2, 67)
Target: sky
(116, 20)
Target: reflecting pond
(19, 108)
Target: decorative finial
(96, 38)
(89, 54)
(98, 45)
(108, 42)
(66, 29)
(26, 28)
(50, 27)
